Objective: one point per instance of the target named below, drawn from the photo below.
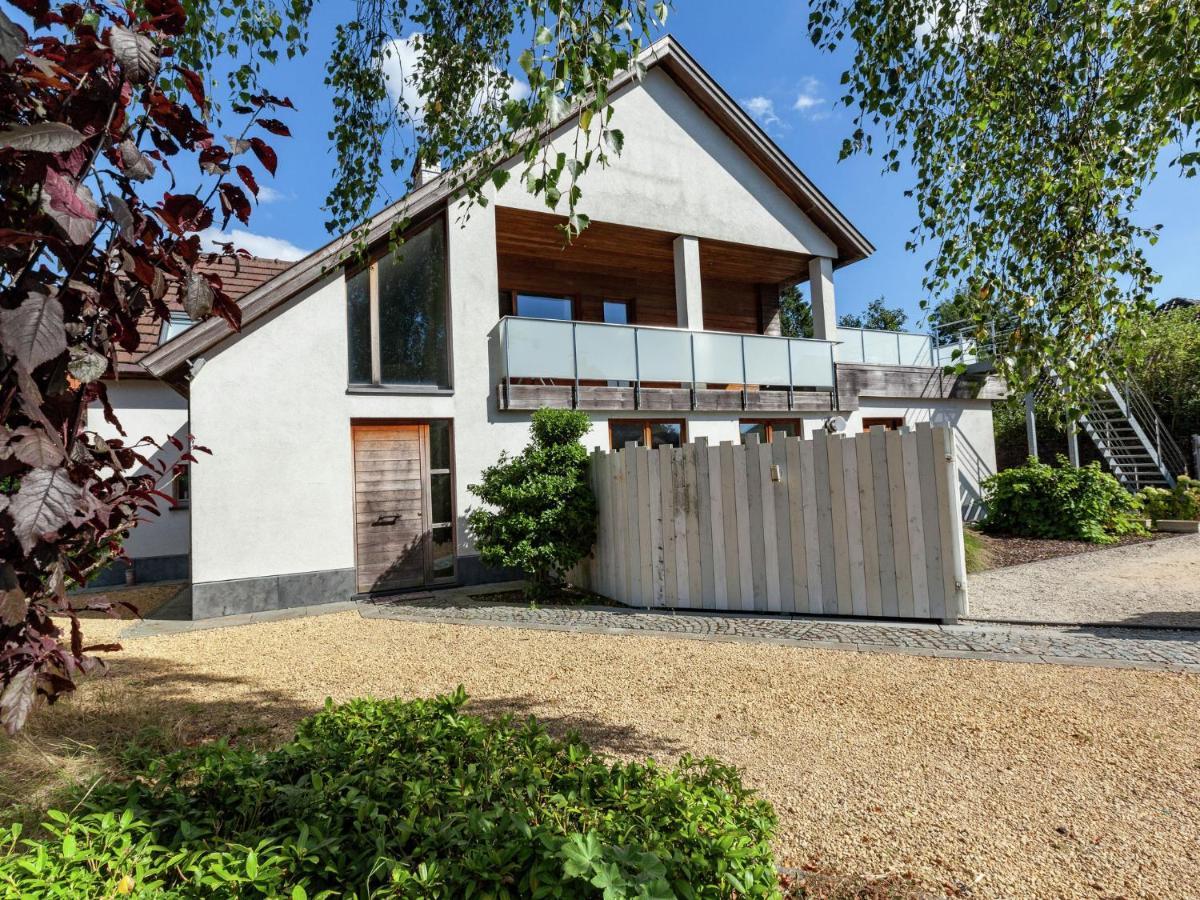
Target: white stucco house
(348, 416)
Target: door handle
(387, 520)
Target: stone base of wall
(146, 570)
(211, 599)
(247, 595)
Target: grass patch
(978, 557)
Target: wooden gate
(868, 525)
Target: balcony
(589, 365)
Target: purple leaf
(45, 501)
(33, 332)
(135, 52)
(41, 137)
(17, 699)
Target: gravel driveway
(981, 779)
(1156, 583)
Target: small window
(441, 499)
(890, 423)
(767, 429)
(175, 326)
(647, 433)
(181, 487)
(618, 312)
(541, 306)
(396, 315)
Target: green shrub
(1037, 500)
(541, 513)
(1181, 502)
(405, 799)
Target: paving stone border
(1133, 648)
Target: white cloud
(268, 194)
(399, 59)
(261, 245)
(763, 109)
(809, 102)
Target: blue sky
(764, 60)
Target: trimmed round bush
(405, 799)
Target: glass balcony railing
(554, 350)
(886, 348)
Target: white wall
(148, 408)
(680, 173)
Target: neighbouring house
(350, 413)
(158, 548)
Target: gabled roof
(238, 277)
(429, 197)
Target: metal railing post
(692, 351)
(507, 367)
(745, 387)
(637, 371)
(575, 367)
(791, 379)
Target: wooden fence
(849, 526)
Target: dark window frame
(371, 265)
(181, 488)
(646, 425)
(771, 423)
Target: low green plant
(1180, 502)
(977, 557)
(1082, 503)
(540, 513)
(404, 799)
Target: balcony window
(618, 312)
(397, 318)
(653, 433)
(541, 306)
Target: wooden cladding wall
(850, 526)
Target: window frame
(771, 423)
(646, 423)
(376, 385)
(181, 487)
(891, 423)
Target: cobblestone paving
(1125, 647)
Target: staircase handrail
(1141, 410)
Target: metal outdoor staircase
(1120, 421)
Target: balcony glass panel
(880, 347)
(665, 355)
(538, 349)
(812, 363)
(851, 349)
(606, 353)
(718, 358)
(767, 361)
(915, 349)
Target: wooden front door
(391, 506)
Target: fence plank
(791, 447)
(666, 490)
(841, 540)
(854, 534)
(728, 524)
(812, 531)
(953, 562)
(707, 506)
(895, 464)
(870, 537)
(929, 515)
(742, 505)
(640, 473)
(754, 520)
(652, 501)
(829, 562)
(621, 519)
(883, 522)
(679, 503)
(916, 526)
(783, 528)
(720, 598)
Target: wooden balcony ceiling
(605, 247)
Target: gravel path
(985, 779)
(1156, 583)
